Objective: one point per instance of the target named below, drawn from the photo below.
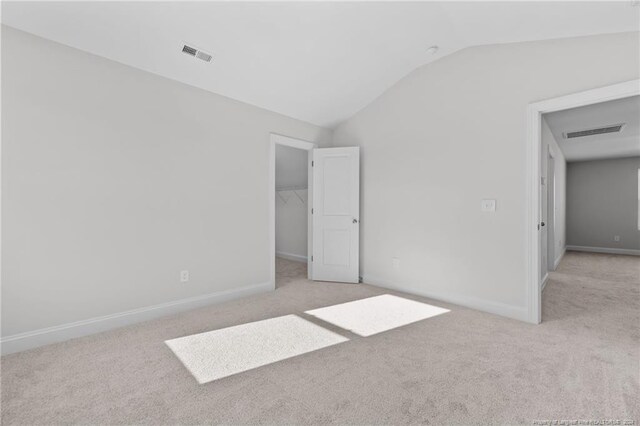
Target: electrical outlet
(488, 206)
(616, 238)
(184, 276)
(396, 262)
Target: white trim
(276, 139)
(44, 336)
(607, 250)
(532, 193)
(544, 282)
(497, 308)
(559, 258)
(291, 256)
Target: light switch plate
(488, 206)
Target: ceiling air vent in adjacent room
(614, 128)
(204, 56)
(192, 51)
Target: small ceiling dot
(433, 50)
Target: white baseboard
(544, 282)
(607, 250)
(44, 336)
(291, 256)
(559, 258)
(502, 309)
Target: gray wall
(291, 167)
(114, 180)
(451, 134)
(602, 201)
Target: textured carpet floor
(463, 367)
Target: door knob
(355, 220)
(542, 224)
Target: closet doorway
(292, 205)
(291, 211)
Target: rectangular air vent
(204, 56)
(189, 50)
(192, 51)
(614, 128)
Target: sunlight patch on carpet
(220, 353)
(374, 315)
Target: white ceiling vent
(613, 128)
(192, 51)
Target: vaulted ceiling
(315, 61)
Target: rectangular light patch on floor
(221, 353)
(374, 315)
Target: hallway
(593, 291)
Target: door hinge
(312, 164)
(312, 210)
(312, 258)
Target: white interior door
(336, 214)
(551, 214)
(543, 227)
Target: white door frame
(533, 173)
(276, 139)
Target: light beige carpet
(463, 367)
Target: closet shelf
(281, 190)
(291, 188)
